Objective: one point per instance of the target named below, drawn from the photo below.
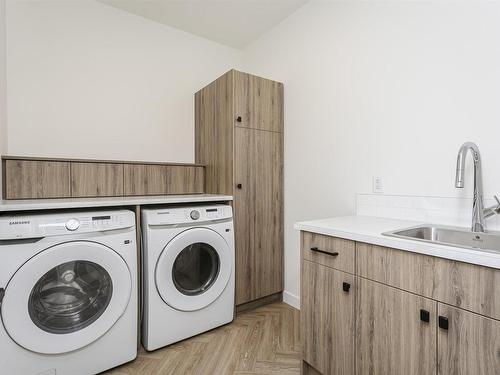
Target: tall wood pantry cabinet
(239, 137)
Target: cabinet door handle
(346, 287)
(425, 316)
(324, 252)
(238, 119)
(443, 322)
(239, 186)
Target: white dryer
(188, 272)
(68, 291)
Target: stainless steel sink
(451, 236)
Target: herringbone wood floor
(262, 341)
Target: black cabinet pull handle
(238, 119)
(425, 316)
(324, 252)
(239, 186)
(443, 322)
(346, 287)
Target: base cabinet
(382, 326)
(468, 343)
(395, 331)
(327, 319)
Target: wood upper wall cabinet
(36, 178)
(96, 179)
(151, 179)
(143, 179)
(32, 179)
(239, 139)
(184, 180)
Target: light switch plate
(378, 185)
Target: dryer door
(193, 269)
(66, 297)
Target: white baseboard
(291, 299)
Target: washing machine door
(66, 297)
(193, 269)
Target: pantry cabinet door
(258, 102)
(258, 213)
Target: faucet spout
(478, 205)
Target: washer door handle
(2, 293)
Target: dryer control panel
(44, 225)
(188, 215)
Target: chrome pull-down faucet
(479, 213)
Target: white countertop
(369, 229)
(65, 203)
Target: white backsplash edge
(435, 210)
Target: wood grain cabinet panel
(184, 180)
(214, 134)
(25, 179)
(258, 102)
(464, 285)
(258, 214)
(144, 179)
(414, 314)
(391, 338)
(307, 369)
(470, 345)
(96, 179)
(34, 178)
(239, 139)
(330, 251)
(327, 319)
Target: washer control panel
(185, 215)
(43, 225)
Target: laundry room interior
(219, 187)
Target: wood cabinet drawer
(329, 251)
(470, 287)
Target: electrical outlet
(378, 184)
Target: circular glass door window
(195, 269)
(70, 297)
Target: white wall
(88, 80)
(380, 88)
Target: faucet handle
(493, 210)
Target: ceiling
(235, 23)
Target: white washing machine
(68, 291)
(188, 272)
